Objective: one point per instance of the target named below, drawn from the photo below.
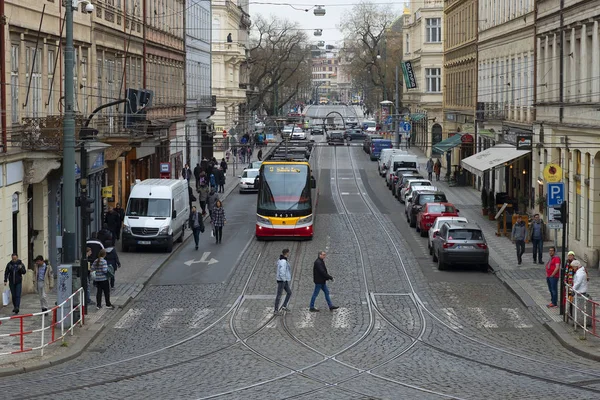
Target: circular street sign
(553, 173)
(406, 126)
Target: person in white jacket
(580, 278)
(284, 276)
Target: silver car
(435, 228)
(460, 244)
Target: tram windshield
(284, 187)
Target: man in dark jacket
(119, 210)
(13, 275)
(105, 236)
(197, 170)
(221, 180)
(195, 222)
(113, 222)
(320, 277)
(112, 259)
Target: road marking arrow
(203, 259)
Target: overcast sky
(335, 9)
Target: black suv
(334, 137)
(419, 199)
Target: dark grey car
(354, 134)
(419, 199)
(460, 244)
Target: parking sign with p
(556, 194)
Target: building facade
(230, 41)
(325, 62)
(460, 78)
(567, 122)
(424, 51)
(199, 103)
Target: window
(433, 80)
(14, 83)
(84, 96)
(100, 80)
(407, 43)
(433, 30)
(50, 67)
(33, 59)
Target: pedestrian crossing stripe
(338, 319)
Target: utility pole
(397, 105)
(68, 202)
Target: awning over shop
(447, 144)
(491, 158)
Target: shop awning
(447, 144)
(491, 158)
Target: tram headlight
(305, 220)
(263, 220)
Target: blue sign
(388, 120)
(406, 126)
(556, 194)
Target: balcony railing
(497, 111)
(42, 134)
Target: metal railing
(56, 323)
(580, 310)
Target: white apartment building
(230, 40)
(505, 101)
(424, 49)
(567, 125)
(324, 77)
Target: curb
(566, 339)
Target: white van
(399, 161)
(156, 215)
(384, 157)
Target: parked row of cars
(451, 239)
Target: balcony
(43, 133)
(492, 111)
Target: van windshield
(404, 164)
(138, 207)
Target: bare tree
(278, 63)
(368, 41)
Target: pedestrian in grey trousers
(518, 235)
(284, 277)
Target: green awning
(447, 144)
(487, 132)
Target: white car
(287, 131)
(439, 221)
(247, 180)
(298, 134)
(410, 183)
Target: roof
(458, 225)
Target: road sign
(406, 126)
(556, 194)
(554, 216)
(388, 120)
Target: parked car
(409, 184)
(384, 156)
(377, 145)
(368, 140)
(247, 180)
(414, 189)
(462, 244)
(298, 134)
(335, 137)
(399, 174)
(354, 134)
(430, 211)
(403, 177)
(435, 228)
(418, 200)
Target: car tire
(485, 267)
(434, 258)
(180, 238)
(441, 265)
(430, 249)
(169, 247)
(413, 223)
(423, 233)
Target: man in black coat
(320, 278)
(113, 221)
(105, 236)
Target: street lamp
(319, 11)
(318, 32)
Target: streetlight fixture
(318, 32)
(319, 11)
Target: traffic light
(136, 106)
(87, 207)
(562, 217)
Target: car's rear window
(432, 198)
(440, 208)
(465, 234)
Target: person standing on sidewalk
(284, 277)
(88, 257)
(518, 235)
(13, 275)
(429, 168)
(437, 168)
(100, 269)
(320, 278)
(536, 235)
(552, 276)
(218, 220)
(196, 224)
(42, 276)
(580, 278)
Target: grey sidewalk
(527, 281)
(137, 269)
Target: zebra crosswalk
(342, 318)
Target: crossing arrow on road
(203, 259)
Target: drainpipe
(3, 75)
(561, 90)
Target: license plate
(463, 247)
(144, 242)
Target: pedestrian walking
(437, 168)
(224, 166)
(112, 259)
(197, 170)
(43, 280)
(186, 173)
(552, 276)
(211, 201)
(13, 275)
(113, 222)
(196, 224)
(89, 259)
(429, 168)
(213, 181)
(218, 220)
(221, 180)
(518, 235)
(202, 196)
(408, 140)
(259, 155)
(320, 278)
(119, 210)
(536, 235)
(100, 275)
(284, 277)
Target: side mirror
(174, 214)
(313, 182)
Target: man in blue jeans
(13, 275)
(320, 277)
(536, 235)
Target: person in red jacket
(552, 276)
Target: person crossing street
(320, 278)
(284, 277)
